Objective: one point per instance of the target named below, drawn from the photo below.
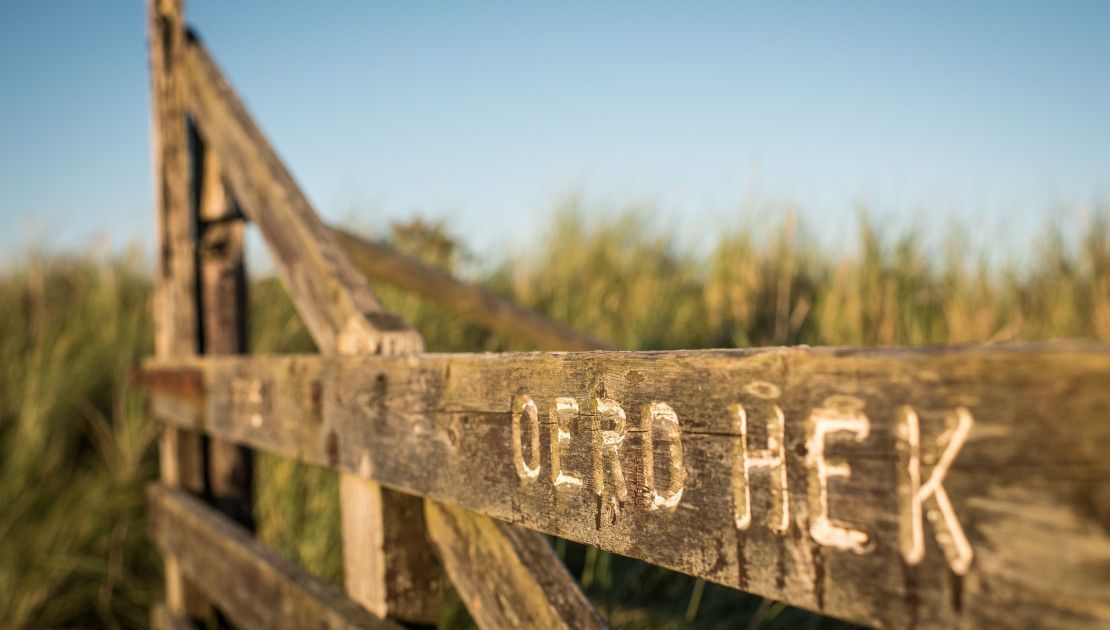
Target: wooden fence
(965, 486)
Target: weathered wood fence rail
(964, 486)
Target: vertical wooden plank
(223, 311)
(363, 570)
(181, 460)
(175, 287)
(388, 565)
(175, 301)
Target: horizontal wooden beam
(253, 586)
(385, 264)
(887, 487)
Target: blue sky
(490, 114)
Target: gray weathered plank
(384, 264)
(975, 491)
(223, 319)
(175, 279)
(181, 465)
(253, 586)
(389, 566)
(175, 298)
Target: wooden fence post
(223, 322)
(175, 298)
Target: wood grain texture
(175, 297)
(364, 549)
(389, 567)
(181, 465)
(891, 460)
(175, 281)
(223, 323)
(384, 264)
(494, 596)
(253, 586)
(331, 296)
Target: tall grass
(76, 449)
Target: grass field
(76, 449)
